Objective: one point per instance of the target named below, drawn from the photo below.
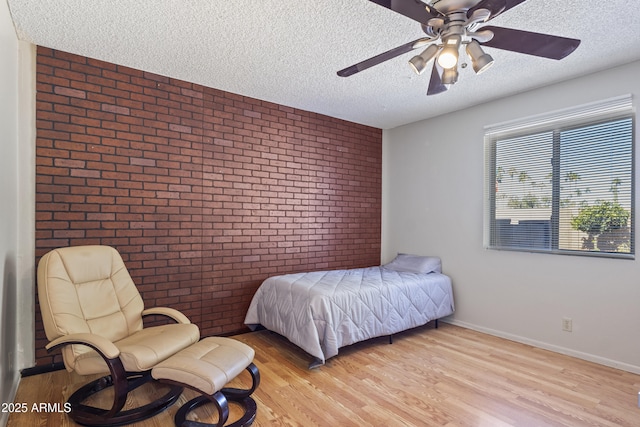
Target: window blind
(562, 181)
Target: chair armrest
(168, 312)
(100, 344)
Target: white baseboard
(546, 346)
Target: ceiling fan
(450, 24)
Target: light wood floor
(448, 376)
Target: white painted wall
(17, 235)
(433, 204)
(8, 211)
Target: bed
(322, 311)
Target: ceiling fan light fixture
(481, 61)
(449, 76)
(448, 57)
(419, 62)
(453, 23)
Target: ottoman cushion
(207, 365)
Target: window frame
(605, 111)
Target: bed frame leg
(436, 323)
(316, 363)
(390, 339)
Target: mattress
(325, 310)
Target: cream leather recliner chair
(93, 311)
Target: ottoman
(206, 367)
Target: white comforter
(323, 311)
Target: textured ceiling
(288, 51)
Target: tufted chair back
(87, 289)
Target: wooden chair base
(221, 402)
(220, 399)
(99, 417)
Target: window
(563, 182)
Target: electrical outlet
(567, 324)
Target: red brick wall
(205, 193)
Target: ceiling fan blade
(496, 7)
(537, 44)
(385, 56)
(513, 3)
(414, 9)
(435, 84)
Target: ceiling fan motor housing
(454, 24)
(446, 6)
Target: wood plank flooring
(448, 376)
